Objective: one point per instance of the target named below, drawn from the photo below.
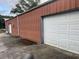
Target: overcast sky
(6, 6)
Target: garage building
(55, 23)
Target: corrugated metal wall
(14, 26)
(30, 23)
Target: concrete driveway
(13, 48)
(2, 46)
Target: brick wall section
(30, 23)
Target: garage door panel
(59, 43)
(74, 37)
(62, 31)
(72, 45)
(60, 28)
(69, 45)
(74, 27)
(74, 32)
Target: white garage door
(62, 31)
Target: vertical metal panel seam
(18, 25)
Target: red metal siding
(30, 27)
(30, 23)
(14, 26)
(77, 3)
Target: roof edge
(48, 2)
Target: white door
(62, 31)
(10, 28)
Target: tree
(17, 9)
(2, 22)
(24, 5)
(33, 3)
(29, 3)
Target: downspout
(18, 25)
